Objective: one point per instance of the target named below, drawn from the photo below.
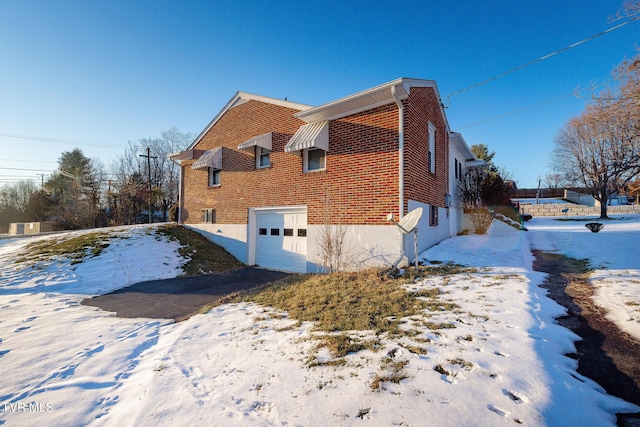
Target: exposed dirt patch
(607, 355)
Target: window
(431, 158)
(262, 231)
(302, 232)
(263, 158)
(288, 232)
(208, 216)
(460, 171)
(275, 231)
(214, 177)
(314, 159)
(455, 169)
(433, 215)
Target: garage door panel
(281, 242)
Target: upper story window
(314, 159)
(211, 160)
(313, 141)
(432, 148)
(214, 177)
(263, 157)
(457, 168)
(261, 146)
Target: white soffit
(313, 135)
(362, 101)
(265, 141)
(459, 142)
(210, 159)
(181, 155)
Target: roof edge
(240, 98)
(458, 140)
(368, 99)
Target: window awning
(313, 135)
(263, 141)
(210, 159)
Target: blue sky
(108, 72)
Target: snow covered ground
(242, 364)
(613, 253)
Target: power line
(529, 107)
(63, 141)
(542, 58)
(23, 169)
(28, 161)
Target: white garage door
(281, 242)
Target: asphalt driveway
(181, 297)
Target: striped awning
(264, 141)
(210, 159)
(313, 135)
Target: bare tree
(14, 202)
(470, 189)
(630, 8)
(127, 190)
(331, 241)
(132, 172)
(600, 149)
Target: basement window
(433, 216)
(208, 216)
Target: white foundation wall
(364, 246)
(428, 235)
(232, 237)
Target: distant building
(22, 228)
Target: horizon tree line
(83, 193)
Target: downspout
(180, 195)
(180, 201)
(400, 151)
(400, 165)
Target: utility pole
(149, 157)
(41, 175)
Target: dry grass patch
(343, 305)
(342, 302)
(204, 257)
(75, 248)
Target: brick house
(267, 178)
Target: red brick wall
(421, 185)
(359, 185)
